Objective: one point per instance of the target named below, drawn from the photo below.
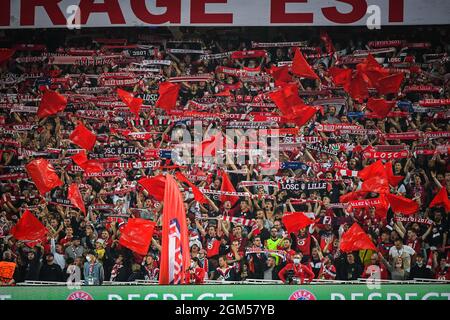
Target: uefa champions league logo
(79, 295)
(302, 295)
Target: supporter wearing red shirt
(375, 270)
(298, 270)
(195, 273)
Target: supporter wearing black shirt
(51, 271)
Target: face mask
(419, 264)
(193, 265)
(297, 261)
(88, 258)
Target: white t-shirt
(405, 253)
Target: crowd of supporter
(316, 166)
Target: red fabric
(75, 197)
(29, 228)
(441, 200)
(356, 239)
(358, 88)
(198, 195)
(43, 175)
(210, 146)
(174, 215)
(280, 75)
(154, 186)
(373, 70)
(248, 54)
(6, 54)
(301, 271)
(88, 166)
(403, 205)
(168, 95)
(301, 114)
(341, 77)
(380, 107)
(373, 170)
(390, 84)
(295, 221)
(378, 184)
(137, 234)
(227, 186)
(82, 137)
(133, 103)
(286, 97)
(51, 103)
(300, 66)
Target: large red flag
(378, 184)
(301, 114)
(441, 200)
(380, 107)
(300, 66)
(175, 256)
(295, 221)
(358, 88)
(210, 146)
(154, 186)
(82, 137)
(373, 170)
(329, 47)
(137, 234)
(341, 77)
(168, 95)
(88, 166)
(133, 103)
(286, 97)
(198, 195)
(401, 204)
(280, 75)
(29, 229)
(372, 69)
(43, 175)
(356, 239)
(74, 195)
(390, 84)
(227, 186)
(51, 103)
(6, 54)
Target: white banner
(121, 13)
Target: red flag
(82, 137)
(403, 205)
(441, 200)
(210, 146)
(280, 75)
(341, 77)
(29, 228)
(300, 66)
(51, 103)
(372, 69)
(175, 257)
(74, 195)
(198, 195)
(168, 95)
(373, 170)
(380, 107)
(137, 234)
(430, 260)
(6, 54)
(301, 114)
(286, 97)
(390, 84)
(356, 239)
(88, 166)
(154, 186)
(228, 187)
(295, 221)
(43, 175)
(358, 88)
(133, 103)
(378, 184)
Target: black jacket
(51, 272)
(420, 272)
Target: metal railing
(248, 281)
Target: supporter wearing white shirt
(59, 258)
(402, 251)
